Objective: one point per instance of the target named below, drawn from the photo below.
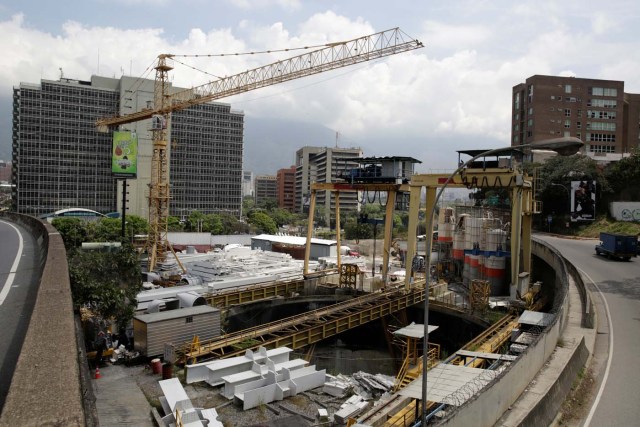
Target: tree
(108, 282)
(623, 176)
(263, 222)
(72, 230)
(562, 170)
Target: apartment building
(286, 188)
(324, 165)
(60, 160)
(266, 188)
(597, 111)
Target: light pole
(565, 146)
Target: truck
(614, 245)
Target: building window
(516, 102)
(578, 135)
(567, 134)
(529, 134)
(530, 122)
(553, 98)
(579, 113)
(579, 125)
(567, 112)
(189, 319)
(601, 148)
(567, 124)
(602, 103)
(567, 88)
(601, 137)
(601, 126)
(606, 91)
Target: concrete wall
(49, 381)
(486, 408)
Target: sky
(453, 94)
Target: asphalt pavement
(19, 278)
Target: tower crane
(330, 57)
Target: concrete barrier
(488, 407)
(48, 386)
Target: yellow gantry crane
(330, 57)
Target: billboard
(583, 200)
(124, 154)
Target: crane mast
(333, 56)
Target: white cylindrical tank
(496, 272)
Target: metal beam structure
(522, 207)
(390, 189)
(314, 326)
(223, 300)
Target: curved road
(19, 280)
(615, 288)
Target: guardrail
(50, 384)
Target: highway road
(19, 280)
(615, 287)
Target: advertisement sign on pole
(124, 154)
(583, 200)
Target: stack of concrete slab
(257, 372)
(180, 411)
(213, 371)
(278, 386)
(353, 406)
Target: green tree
(174, 223)
(108, 230)
(108, 282)
(562, 170)
(73, 231)
(623, 176)
(263, 223)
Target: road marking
(606, 371)
(12, 273)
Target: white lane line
(610, 358)
(12, 273)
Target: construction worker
(101, 346)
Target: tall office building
(60, 160)
(286, 181)
(247, 183)
(266, 188)
(596, 111)
(324, 165)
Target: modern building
(286, 182)
(266, 188)
(60, 160)
(247, 184)
(596, 111)
(5, 172)
(324, 165)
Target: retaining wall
(486, 408)
(48, 386)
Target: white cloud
(452, 93)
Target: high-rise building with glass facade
(60, 160)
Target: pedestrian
(101, 346)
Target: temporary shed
(295, 245)
(151, 331)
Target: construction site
(443, 317)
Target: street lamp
(565, 146)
